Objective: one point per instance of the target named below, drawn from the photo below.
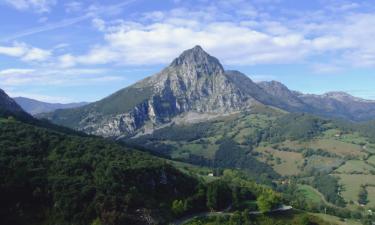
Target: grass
(370, 148)
(352, 185)
(323, 164)
(239, 127)
(355, 166)
(205, 150)
(335, 220)
(371, 196)
(242, 135)
(331, 133)
(290, 162)
(311, 194)
(371, 160)
(290, 217)
(193, 169)
(331, 145)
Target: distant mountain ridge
(196, 83)
(331, 104)
(34, 107)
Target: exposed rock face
(193, 82)
(196, 83)
(280, 91)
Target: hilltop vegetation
(335, 157)
(243, 218)
(51, 177)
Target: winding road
(223, 213)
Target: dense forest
(51, 177)
(295, 126)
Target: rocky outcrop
(289, 98)
(193, 82)
(196, 83)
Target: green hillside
(281, 147)
(52, 177)
(120, 102)
(48, 177)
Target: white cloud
(15, 71)
(326, 68)
(135, 43)
(25, 52)
(99, 24)
(39, 6)
(74, 6)
(36, 54)
(66, 60)
(16, 77)
(16, 50)
(239, 39)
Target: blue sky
(64, 51)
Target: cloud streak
(92, 12)
(39, 6)
(14, 77)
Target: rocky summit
(195, 87)
(194, 82)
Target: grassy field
(355, 166)
(335, 220)
(331, 145)
(370, 148)
(352, 185)
(311, 194)
(371, 160)
(236, 127)
(187, 168)
(205, 150)
(371, 196)
(323, 164)
(289, 163)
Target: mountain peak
(275, 87)
(343, 96)
(195, 51)
(272, 83)
(337, 94)
(199, 60)
(198, 48)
